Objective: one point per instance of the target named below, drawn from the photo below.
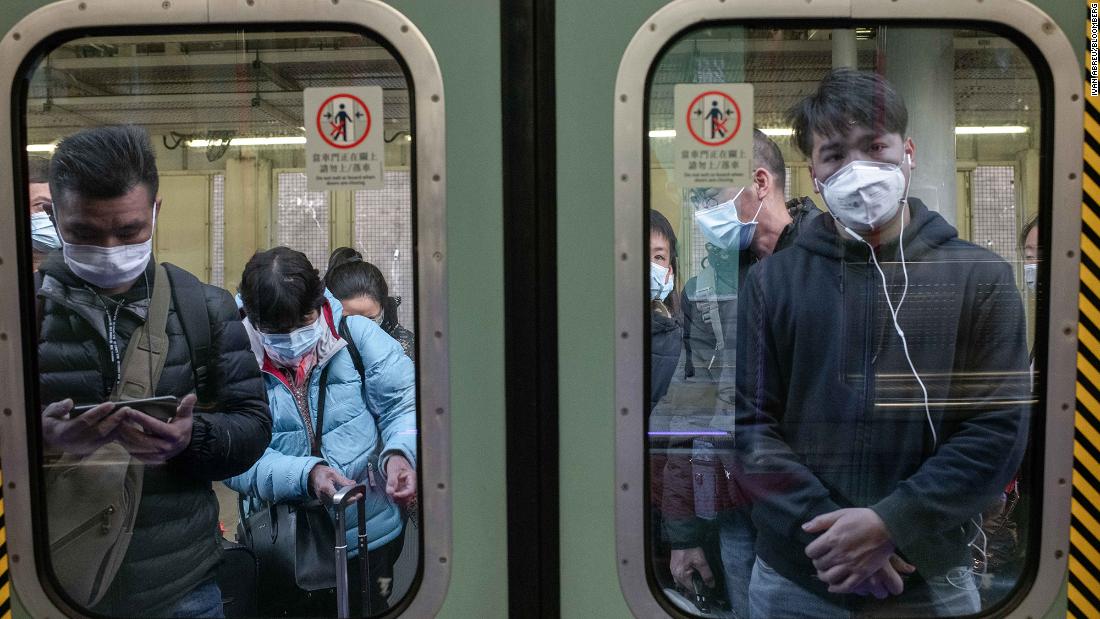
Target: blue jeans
(204, 600)
(772, 596)
(737, 540)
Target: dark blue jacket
(828, 414)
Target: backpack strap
(708, 309)
(190, 300)
(353, 350)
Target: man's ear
(762, 180)
(156, 206)
(813, 177)
(911, 150)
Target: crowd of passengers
(291, 390)
(849, 387)
(840, 397)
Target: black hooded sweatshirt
(829, 415)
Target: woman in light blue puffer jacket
(369, 432)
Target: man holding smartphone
(93, 297)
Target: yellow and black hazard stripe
(5, 580)
(1084, 557)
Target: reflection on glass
(190, 351)
(843, 427)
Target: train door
(650, 126)
(395, 100)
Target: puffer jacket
(364, 424)
(829, 415)
(176, 545)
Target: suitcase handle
(341, 500)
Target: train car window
(222, 230)
(846, 276)
(841, 376)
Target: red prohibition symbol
(713, 121)
(335, 134)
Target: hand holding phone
(152, 440)
(79, 433)
(162, 407)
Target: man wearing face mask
(866, 484)
(43, 235)
(93, 297)
(742, 225)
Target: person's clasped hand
(854, 553)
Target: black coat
(828, 414)
(175, 546)
(665, 342)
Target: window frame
(1061, 181)
(407, 42)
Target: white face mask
(379, 318)
(287, 349)
(724, 229)
(661, 281)
(43, 235)
(864, 195)
(1031, 276)
(109, 267)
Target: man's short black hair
(766, 154)
(846, 97)
(278, 287)
(103, 163)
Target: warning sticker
(344, 146)
(713, 134)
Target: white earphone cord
(894, 311)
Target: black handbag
(293, 542)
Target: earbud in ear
(909, 160)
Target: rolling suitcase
(342, 500)
(236, 576)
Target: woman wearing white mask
(332, 425)
(666, 335)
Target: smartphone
(162, 408)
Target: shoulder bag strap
(353, 350)
(315, 448)
(148, 347)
